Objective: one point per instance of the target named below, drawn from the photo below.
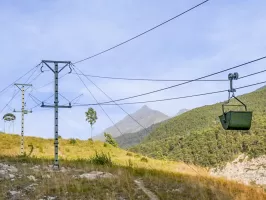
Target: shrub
(137, 156)
(73, 141)
(105, 144)
(143, 159)
(129, 154)
(101, 159)
(110, 140)
(130, 163)
(40, 149)
(67, 150)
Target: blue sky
(218, 35)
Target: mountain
(198, 137)
(129, 140)
(145, 116)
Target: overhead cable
(174, 98)
(19, 78)
(143, 33)
(163, 80)
(99, 104)
(146, 79)
(113, 101)
(176, 85)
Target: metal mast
(56, 105)
(23, 111)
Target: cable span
(113, 101)
(143, 33)
(206, 76)
(169, 99)
(99, 104)
(163, 80)
(147, 79)
(20, 78)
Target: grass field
(167, 180)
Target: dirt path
(149, 193)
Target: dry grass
(168, 180)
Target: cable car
(235, 120)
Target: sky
(218, 35)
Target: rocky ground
(245, 170)
(26, 182)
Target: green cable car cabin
(235, 120)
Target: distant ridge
(145, 116)
(129, 140)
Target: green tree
(91, 117)
(110, 140)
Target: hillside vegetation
(33, 178)
(197, 136)
(129, 140)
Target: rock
(32, 178)
(51, 198)
(244, 170)
(62, 169)
(8, 168)
(12, 169)
(31, 187)
(95, 174)
(46, 176)
(11, 176)
(14, 195)
(36, 168)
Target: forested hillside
(129, 140)
(197, 136)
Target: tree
(110, 140)
(91, 117)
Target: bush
(101, 159)
(137, 156)
(105, 144)
(129, 154)
(67, 150)
(73, 141)
(40, 149)
(143, 159)
(130, 163)
(110, 140)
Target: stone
(46, 176)
(51, 198)
(31, 187)
(12, 169)
(13, 193)
(96, 174)
(11, 176)
(32, 178)
(244, 170)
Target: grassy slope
(43, 148)
(197, 136)
(161, 177)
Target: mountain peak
(145, 116)
(145, 107)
